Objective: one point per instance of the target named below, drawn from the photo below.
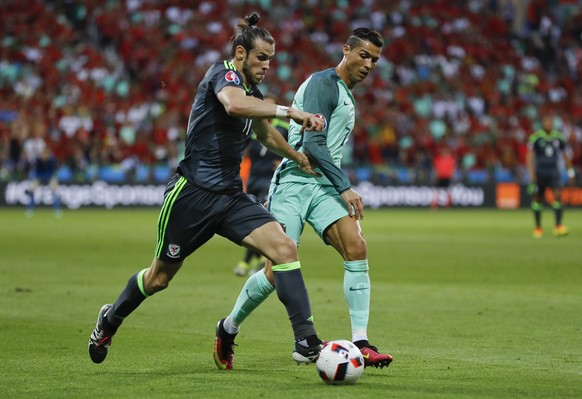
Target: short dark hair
(366, 34)
(246, 33)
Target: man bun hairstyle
(252, 19)
(365, 34)
(247, 32)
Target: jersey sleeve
(316, 147)
(225, 74)
(531, 142)
(321, 98)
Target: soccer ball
(340, 362)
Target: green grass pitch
(469, 305)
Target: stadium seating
(110, 81)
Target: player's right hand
(354, 202)
(306, 120)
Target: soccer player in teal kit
(327, 203)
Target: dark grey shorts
(550, 179)
(190, 216)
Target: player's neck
(239, 67)
(340, 70)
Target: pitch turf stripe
(165, 212)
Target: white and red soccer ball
(340, 362)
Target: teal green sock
(256, 289)
(357, 294)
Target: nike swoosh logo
(358, 289)
(365, 356)
(347, 103)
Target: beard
(249, 76)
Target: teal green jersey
(325, 94)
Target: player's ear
(346, 49)
(240, 53)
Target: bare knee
(356, 250)
(286, 251)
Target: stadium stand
(109, 84)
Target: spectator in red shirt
(445, 166)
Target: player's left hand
(305, 166)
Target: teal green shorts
(294, 204)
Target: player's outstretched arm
(530, 164)
(237, 103)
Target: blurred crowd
(110, 83)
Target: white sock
(229, 326)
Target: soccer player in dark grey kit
(206, 195)
(546, 147)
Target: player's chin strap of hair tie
(282, 112)
(571, 173)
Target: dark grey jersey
(215, 140)
(548, 148)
